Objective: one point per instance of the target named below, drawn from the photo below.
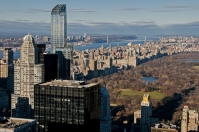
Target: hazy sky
(143, 17)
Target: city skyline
(112, 17)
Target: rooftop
(12, 123)
(69, 83)
(165, 126)
(58, 8)
(146, 98)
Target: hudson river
(91, 46)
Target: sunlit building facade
(27, 72)
(146, 120)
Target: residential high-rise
(7, 71)
(190, 119)
(27, 72)
(67, 105)
(58, 26)
(137, 117)
(184, 122)
(146, 120)
(105, 117)
(93, 65)
(58, 42)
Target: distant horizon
(112, 17)
(18, 34)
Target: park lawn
(154, 94)
(196, 67)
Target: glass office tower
(58, 26)
(67, 106)
(58, 42)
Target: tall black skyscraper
(63, 71)
(41, 49)
(67, 105)
(50, 66)
(50, 62)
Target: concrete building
(164, 128)
(4, 99)
(105, 117)
(67, 105)
(137, 117)
(189, 120)
(7, 71)
(93, 65)
(27, 72)
(17, 125)
(46, 38)
(146, 120)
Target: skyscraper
(146, 120)
(105, 117)
(67, 105)
(190, 120)
(58, 26)
(58, 41)
(27, 72)
(7, 71)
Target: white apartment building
(27, 72)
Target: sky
(133, 17)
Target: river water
(93, 46)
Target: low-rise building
(17, 125)
(164, 128)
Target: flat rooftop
(12, 123)
(69, 83)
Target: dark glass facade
(50, 64)
(63, 71)
(67, 108)
(41, 49)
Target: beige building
(146, 120)
(189, 120)
(137, 116)
(46, 38)
(93, 65)
(164, 128)
(7, 70)
(27, 72)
